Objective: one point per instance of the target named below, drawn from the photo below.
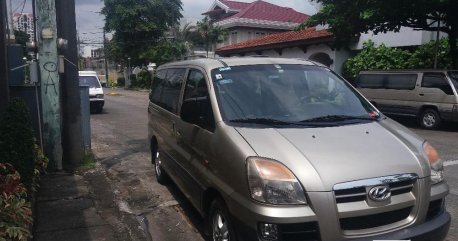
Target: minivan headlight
(435, 162)
(273, 183)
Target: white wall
(405, 37)
(338, 56)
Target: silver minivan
(274, 149)
(429, 95)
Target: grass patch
(88, 162)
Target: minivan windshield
(287, 93)
(454, 77)
(90, 81)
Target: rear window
(387, 81)
(90, 81)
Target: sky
(89, 22)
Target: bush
(376, 58)
(143, 79)
(17, 143)
(120, 82)
(15, 211)
(423, 57)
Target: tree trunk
(453, 48)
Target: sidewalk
(65, 210)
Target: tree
(211, 34)
(138, 25)
(348, 18)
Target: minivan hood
(323, 157)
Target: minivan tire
(161, 175)
(430, 119)
(221, 228)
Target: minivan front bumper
(432, 230)
(322, 221)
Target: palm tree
(210, 33)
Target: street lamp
(128, 71)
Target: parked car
(96, 96)
(429, 95)
(284, 149)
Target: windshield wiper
(331, 118)
(265, 121)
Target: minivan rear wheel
(221, 225)
(430, 119)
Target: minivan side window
(387, 81)
(196, 108)
(400, 81)
(371, 81)
(166, 88)
(438, 81)
(172, 89)
(156, 86)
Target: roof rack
(258, 56)
(222, 62)
(197, 56)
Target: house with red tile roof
(246, 21)
(310, 43)
(262, 28)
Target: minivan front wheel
(430, 119)
(221, 225)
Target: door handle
(421, 94)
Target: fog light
(268, 231)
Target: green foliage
(144, 79)
(423, 57)
(15, 211)
(17, 141)
(121, 81)
(165, 51)
(383, 58)
(376, 58)
(137, 25)
(348, 18)
(88, 162)
(211, 34)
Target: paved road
(120, 143)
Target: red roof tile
(278, 38)
(234, 4)
(266, 11)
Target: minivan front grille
(299, 232)
(375, 220)
(356, 191)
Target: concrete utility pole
(50, 85)
(105, 57)
(4, 91)
(72, 136)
